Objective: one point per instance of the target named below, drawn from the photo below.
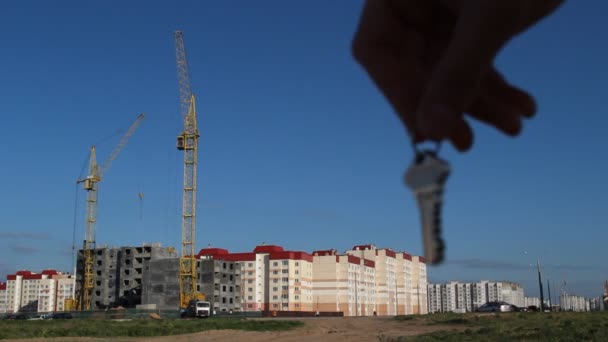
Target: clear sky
(298, 148)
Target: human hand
(433, 60)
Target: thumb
(482, 29)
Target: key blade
(429, 204)
(426, 178)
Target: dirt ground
(335, 329)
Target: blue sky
(298, 148)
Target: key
(426, 177)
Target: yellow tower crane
(187, 141)
(96, 172)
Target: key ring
(419, 153)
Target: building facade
(119, 273)
(3, 302)
(344, 283)
(271, 278)
(569, 302)
(217, 279)
(26, 291)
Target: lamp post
(540, 286)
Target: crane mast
(94, 176)
(187, 141)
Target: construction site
(364, 281)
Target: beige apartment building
(400, 280)
(343, 283)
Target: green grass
(523, 326)
(134, 328)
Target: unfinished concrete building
(218, 280)
(119, 273)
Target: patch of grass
(134, 328)
(557, 326)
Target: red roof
(11, 277)
(390, 252)
(214, 252)
(406, 256)
(421, 259)
(50, 272)
(239, 257)
(32, 276)
(363, 247)
(2, 286)
(353, 259)
(267, 249)
(290, 255)
(369, 263)
(325, 252)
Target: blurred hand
(433, 60)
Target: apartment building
(401, 280)
(569, 302)
(27, 291)
(343, 283)
(119, 273)
(3, 302)
(272, 278)
(466, 297)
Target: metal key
(426, 177)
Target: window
(231, 266)
(231, 277)
(297, 288)
(285, 287)
(275, 305)
(275, 272)
(285, 279)
(250, 298)
(231, 300)
(224, 300)
(285, 262)
(275, 264)
(250, 289)
(275, 280)
(285, 296)
(297, 263)
(249, 281)
(297, 297)
(275, 297)
(224, 288)
(275, 289)
(250, 264)
(297, 272)
(224, 266)
(285, 271)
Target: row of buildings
(46, 291)
(362, 281)
(467, 297)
